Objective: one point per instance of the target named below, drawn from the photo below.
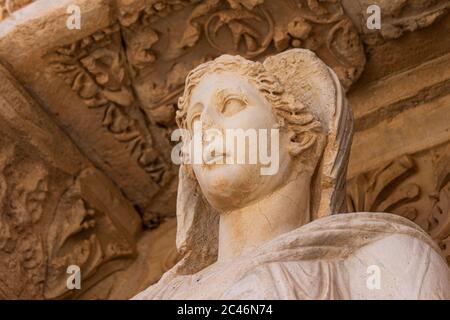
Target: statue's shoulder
(370, 227)
(403, 263)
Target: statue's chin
(230, 187)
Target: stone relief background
(85, 170)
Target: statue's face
(226, 103)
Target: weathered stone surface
(112, 88)
(87, 90)
(57, 209)
(9, 6)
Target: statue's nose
(209, 118)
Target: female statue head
(294, 92)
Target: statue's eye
(233, 105)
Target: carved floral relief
(95, 68)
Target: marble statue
(245, 235)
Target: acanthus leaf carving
(95, 69)
(439, 220)
(378, 191)
(85, 233)
(56, 208)
(390, 189)
(241, 24)
(400, 17)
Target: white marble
(244, 235)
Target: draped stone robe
(331, 258)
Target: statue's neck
(245, 229)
